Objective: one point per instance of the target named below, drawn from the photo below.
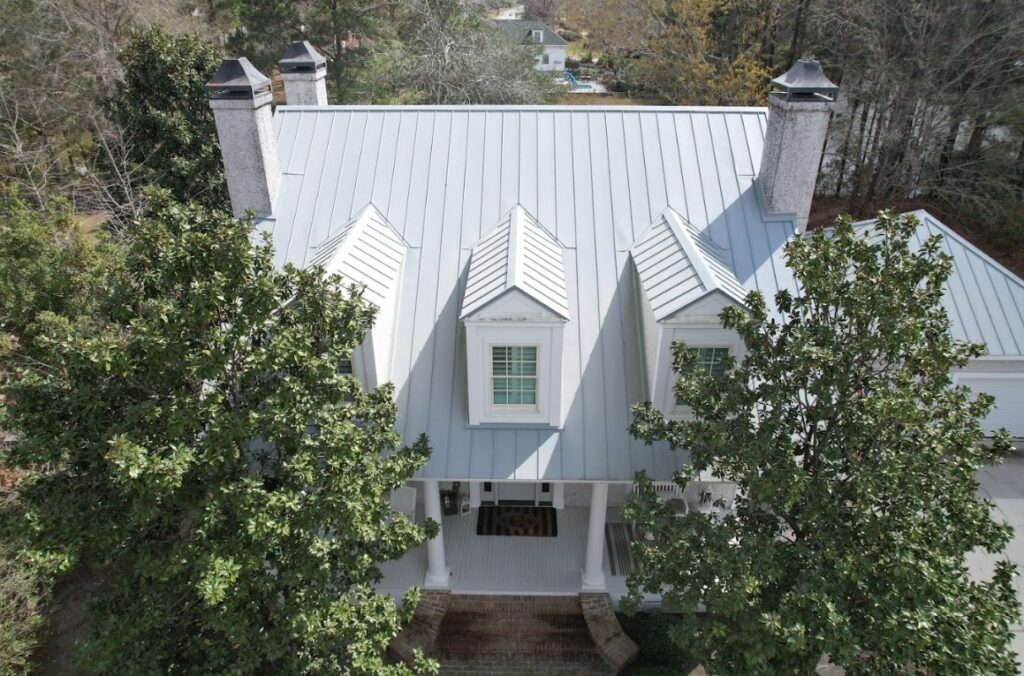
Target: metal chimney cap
(237, 78)
(805, 80)
(301, 57)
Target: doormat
(508, 520)
(619, 537)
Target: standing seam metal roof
(596, 177)
(984, 300)
(518, 253)
(678, 265)
(365, 251)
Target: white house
(531, 31)
(532, 266)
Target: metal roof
(596, 178)
(518, 253)
(678, 265)
(984, 300)
(365, 251)
(521, 30)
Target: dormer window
(685, 280)
(368, 253)
(515, 309)
(537, 35)
(710, 360)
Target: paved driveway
(1004, 485)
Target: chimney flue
(240, 98)
(303, 72)
(798, 114)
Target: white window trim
(547, 337)
(513, 409)
(682, 410)
(695, 332)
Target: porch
(507, 564)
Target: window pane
(514, 375)
(709, 360)
(345, 367)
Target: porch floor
(505, 564)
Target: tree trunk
(860, 204)
(798, 31)
(844, 150)
(948, 147)
(977, 135)
(768, 40)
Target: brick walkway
(516, 635)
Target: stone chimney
(240, 98)
(303, 71)
(798, 113)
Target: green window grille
(514, 375)
(709, 360)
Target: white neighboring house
(532, 266)
(531, 31)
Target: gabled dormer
(368, 252)
(684, 281)
(515, 309)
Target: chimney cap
(301, 57)
(805, 80)
(237, 78)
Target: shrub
(653, 634)
(655, 670)
(20, 612)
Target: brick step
(549, 627)
(567, 605)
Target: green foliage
(20, 613)
(655, 670)
(46, 264)
(450, 52)
(201, 444)
(338, 30)
(855, 458)
(165, 116)
(653, 634)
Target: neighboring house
(532, 266)
(531, 31)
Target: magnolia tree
(193, 437)
(855, 459)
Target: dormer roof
(518, 253)
(679, 265)
(366, 251)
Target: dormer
(684, 282)
(369, 253)
(515, 309)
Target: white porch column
(593, 570)
(437, 569)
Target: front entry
(523, 493)
(516, 493)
